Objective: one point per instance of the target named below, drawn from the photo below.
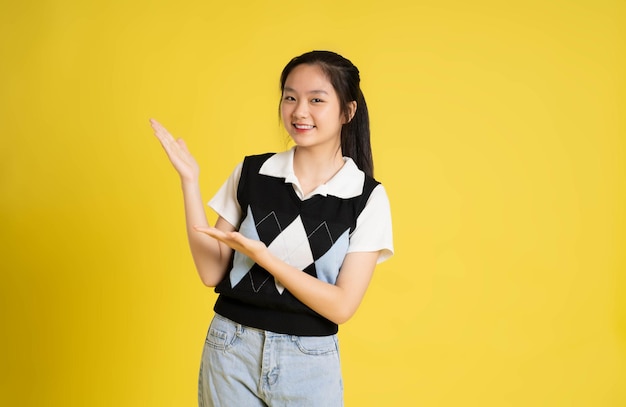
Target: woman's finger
(233, 239)
(213, 232)
(182, 145)
(161, 132)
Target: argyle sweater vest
(311, 235)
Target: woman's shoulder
(260, 156)
(256, 160)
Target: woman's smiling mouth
(303, 126)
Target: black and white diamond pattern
(291, 245)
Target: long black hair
(345, 78)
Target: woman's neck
(314, 168)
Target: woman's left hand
(254, 249)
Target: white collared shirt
(373, 230)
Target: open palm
(254, 249)
(177, 152)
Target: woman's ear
(351, 111)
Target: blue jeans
(243, 366)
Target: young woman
(297, 239)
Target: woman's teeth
(303, 126)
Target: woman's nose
(301, 110)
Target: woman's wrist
(189, 184)
(266, 259)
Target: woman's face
(310, 108)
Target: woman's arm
(210, 256)
(337, 302)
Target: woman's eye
(289, 98)
(316, 100)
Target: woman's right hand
(177, 152)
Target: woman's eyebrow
(316, 91)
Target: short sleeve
(373, 231)
(224, 202)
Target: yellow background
(498, 130)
